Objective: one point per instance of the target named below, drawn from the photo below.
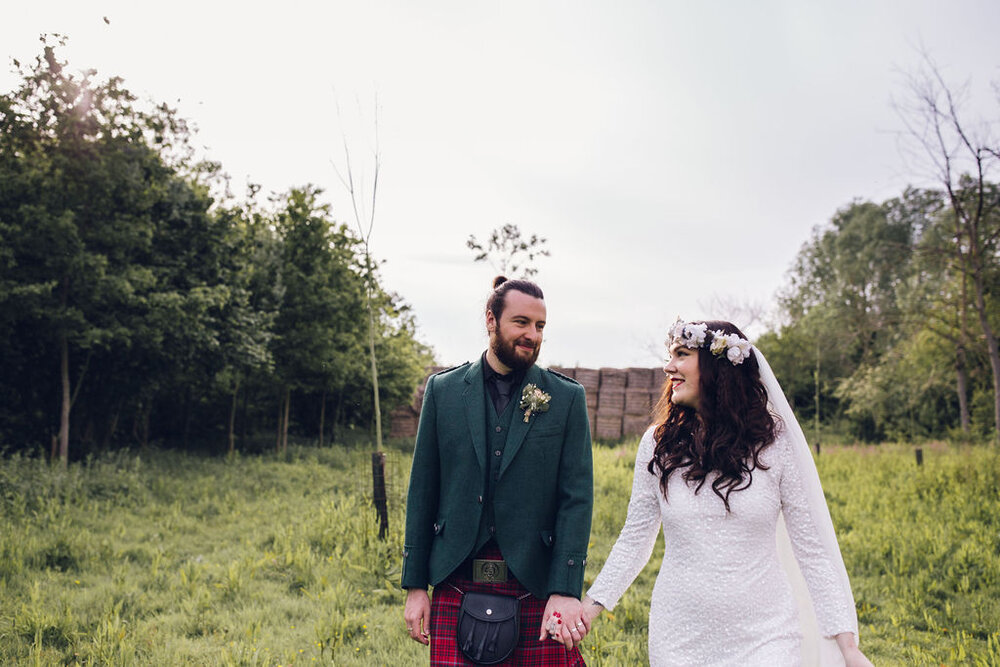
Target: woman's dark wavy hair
(728, 432)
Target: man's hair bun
(498, 281)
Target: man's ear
(491, 321)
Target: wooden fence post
(378, 487)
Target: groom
(501, 490)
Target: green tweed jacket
(542, 500)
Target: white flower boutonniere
(533, 400)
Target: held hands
(417, 614)
(592, 608)
(853, 657)
(564, 621)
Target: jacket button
(493, 530)
(570, 562)
(498, 453)
(480, 500)
(436, 528)
(499, 428)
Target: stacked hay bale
(619, 401)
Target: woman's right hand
(592, 608)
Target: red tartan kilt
(530, 652)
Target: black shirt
(501, 388)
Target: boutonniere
(533, 400)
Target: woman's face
(682, 373)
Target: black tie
(504, 385)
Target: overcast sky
(675, 155)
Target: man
(501, 491)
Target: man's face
(517, 338)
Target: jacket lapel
(475, 410)
(518, 427)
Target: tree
(935, 299)
(364, 218)
(509, 252)
(960, 156)
(82, 180)
(130, 296)
(316, 343)
(248, 315)
(842, 305)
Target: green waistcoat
(497, 429)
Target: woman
(723, 463)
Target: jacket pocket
(546, 431)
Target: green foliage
(879, 332)
(166, 558)
(178, 317)
(907, 392)
(316, 343)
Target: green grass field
(171, 559)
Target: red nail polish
(559, 621)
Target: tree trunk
(378, 495)
(322, 417)
(338, 412)
(281, 411)
(991, 346)
(375, 398)
(113, 426)
(962, 388)
(232, 416)
(816, 387)
(186, 418)
(284, 425)
(64, 412)
(243, 418)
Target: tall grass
(171, 559)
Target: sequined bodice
(721, 596)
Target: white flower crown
(694, 335)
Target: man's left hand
(564, 621)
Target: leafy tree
(841, 303)
(959, 155)
(82, 181)
(316, 345)
(509, 252)
(133, 301)
(906, 394)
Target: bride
(723, 464)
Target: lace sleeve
(635, 543)
(832, 604)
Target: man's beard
(506, 351)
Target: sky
(675, 155)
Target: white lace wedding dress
(721, 596)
